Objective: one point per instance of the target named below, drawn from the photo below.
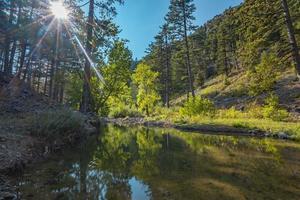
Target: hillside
(234, 92)
(245, 39)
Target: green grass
(254, 116)
(267, 125)
(231, 118)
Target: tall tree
(86, 105)
(106, 10)
(180, 18)
(167, 49)
(7, 42)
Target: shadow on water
(140, 163)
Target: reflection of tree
(119, 190)
(114, 156)
(149, 146)
(174, 166)
(113, 153)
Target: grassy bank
(27, 137)
(232, 118)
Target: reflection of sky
(139, 190)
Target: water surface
(164, 164)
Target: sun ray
(70, 37)
(92, 64)
(31, 24)
(42, 38)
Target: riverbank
(22, 144)
(32, 128)
(203, 128)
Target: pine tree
(86, 105)
(180, 18)
(106, 10)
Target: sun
(58, 10)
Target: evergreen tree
(180, 18)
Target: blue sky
(140, 19)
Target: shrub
(230, 113)
(264, 75)
(124, 111)
(271, 110)
(164, 113)
(57, 123)
(197, 106)
(255, 111)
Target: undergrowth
(57, 123)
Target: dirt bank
(20, 108)
(19, 149)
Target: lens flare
(58, 10)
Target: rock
(89, 129)
(8, 196)
(267, 134)
(6, 191)
(283, 135)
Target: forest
(65, 72)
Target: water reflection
(140, 164)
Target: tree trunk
(1, 61)
(12, 56)
(22, 57)
(14, 47)
(38, 82)
(46, 79)
(27, 67)
(51, 78)
(188, 60)
(61, 89)
(7, 69)
(167, 85)
(292, 38)
(86, 105)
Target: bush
(124, 111)
(264, 75)
(230, 113)
(197, 106)
(57, 123)
(255, 111)
(271, 110)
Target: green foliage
(122, 111)
(230, 113)
(57, 123)
(264, 76)
(117, 75)
(74, 90)
(147, 96)
(197, 106)
(271, 110)
(123, 106)
(231, 42)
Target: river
(141, 163)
